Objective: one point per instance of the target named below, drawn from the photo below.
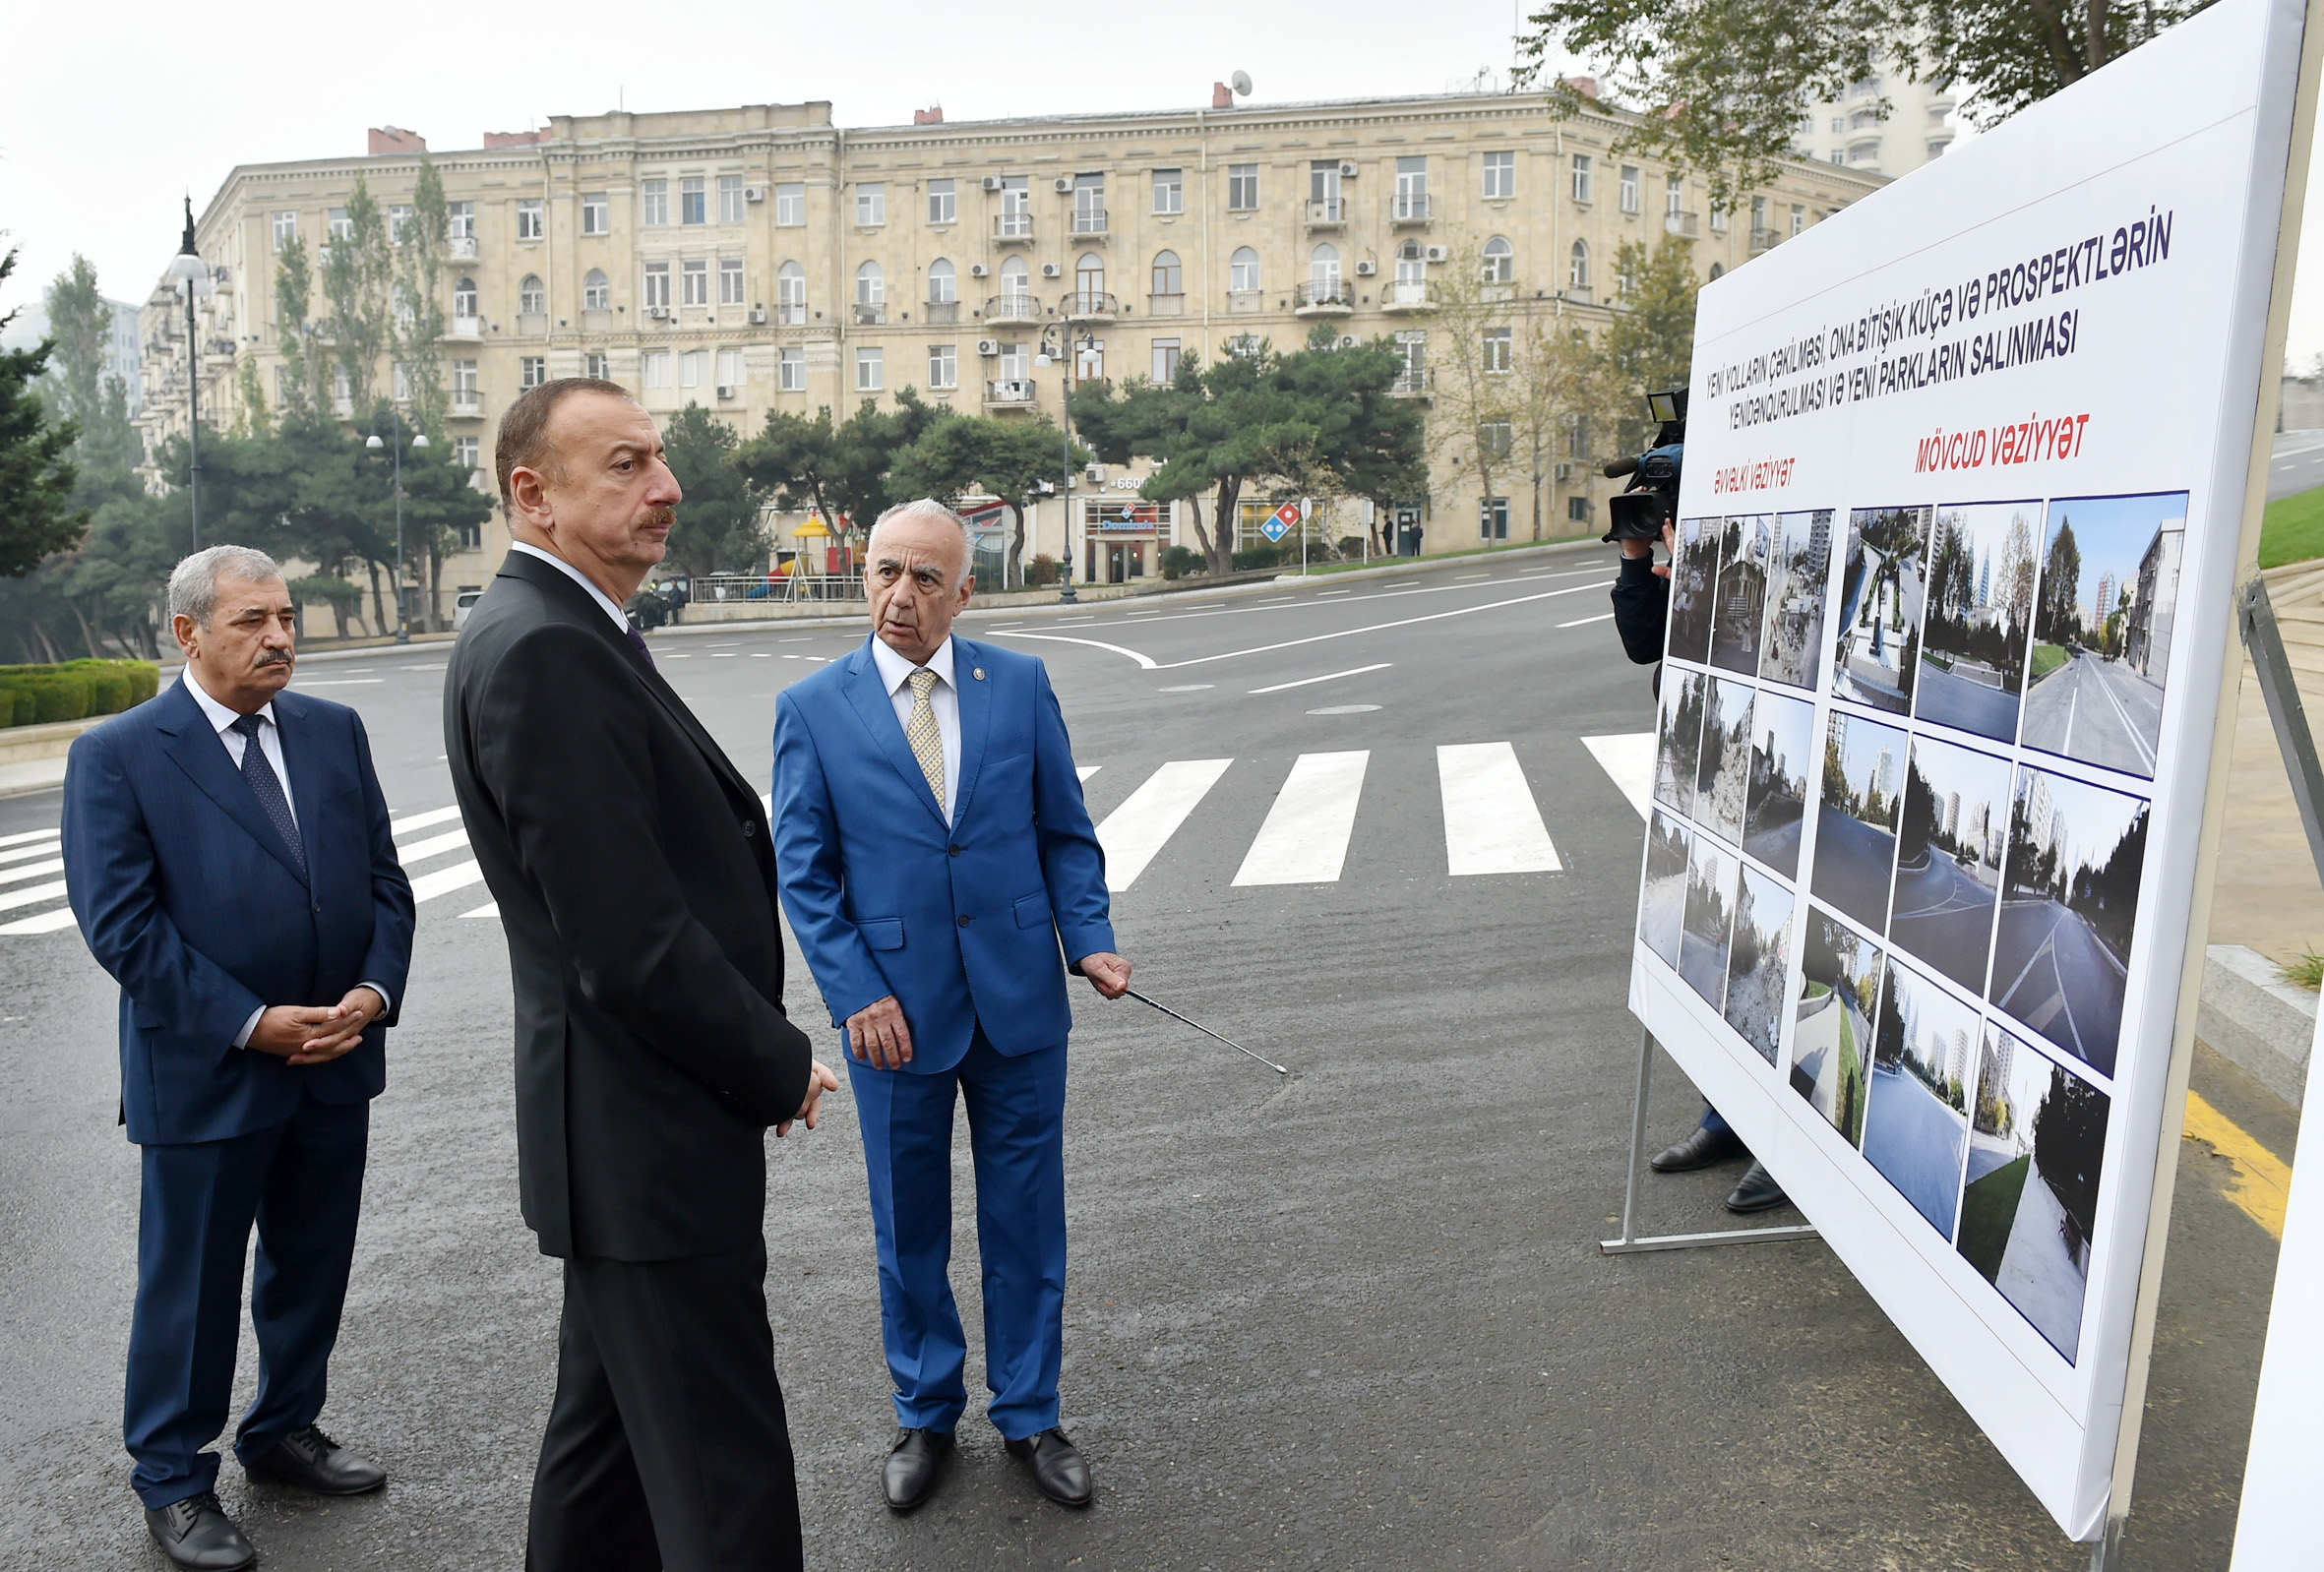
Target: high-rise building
(2146, 634)
(1851, 131)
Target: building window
(1500, 175)
(283, 385)
(1500, 260)
(1166, 360)
(1493, 517)
(531, 299)
(870, 375)
(1578, 509)
(692, 200)
(530, 223)
(731, 368)
(790, 295)
(730, 198)
(1414, 348)
(1243, 271)
(870, 286)
(399, 221)
(790, 206)
(656, 199)
(1578, 274)
(656, 364)
(596, 364)
(730, 281)
(1718, 219)
(1170, 191)
(463, 383)
(693, 288)
(1581, 177)
(943, 205)
(1759, 218)
(1627, 279)
(870, 203)
(1090, 280)
(944, 366)
(1090, 205)
(1017, 282)
(1498, 351)
(1412, 187)
(1497, 437)
(1936, 150)
(790, 371)
(341, 227)
(691, 366)
(597, 291)
(596, 213)
(1168, 278)
(466, 452)
(531, 371)
(1629, 188)
(285, 230)
(657, 285)
(1241, 187)
(1089, 360)
(460, 220)
(1674, 197)
(1323, 272)
(1798, 219)
(1718, 270)
(1577, 437)
(464, 298)
(943, 283)
(1015, 363)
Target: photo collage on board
(1970, 696)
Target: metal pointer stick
(1204, 1030)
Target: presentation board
(1965, 477)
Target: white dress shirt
(577, 577)
(270, 741)
(895, 673)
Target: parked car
(462, 605)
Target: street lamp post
(1088, 342)
(372, 444)
(191, 276)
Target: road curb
(2249, 1015)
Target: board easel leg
(1630, 1242)
(2106, 1553)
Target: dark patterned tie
(638, 642)
(269, 790)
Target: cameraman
(1641, 608)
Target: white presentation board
(1965, 477)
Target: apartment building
(763, 257)
(1850, 132)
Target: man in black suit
(631, 866)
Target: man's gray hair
(935, 510)
(193, 583)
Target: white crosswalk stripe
(17, 876)
(30, 834)
(45, 922)
(1629, 758)
(1304, 839)
(444, 881)
(30, 897)
(1492, 824)
(44, 848)
(1134, 831)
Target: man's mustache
(662, 518)
(273, 657)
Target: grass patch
(2307, 972)
(1987, 1208)
(2293, 529)
(2047, 659)
(1316, 568)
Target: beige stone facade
(763, 258)
(1920, 124)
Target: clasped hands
(316, 1034)
(878, 1034)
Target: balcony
(1407, 295)
(1012, 228)
(1089, 223)
(1412, 207)
(1008, 393)
(532, 323)
(1240, 301)
(790, 314)
(869, 316)
(462, 247)
(941, 313)
(468, 328)
(1761, 239)
(1171, 305)
(1328, 212)
(1323, 300)
(1088, 304)
(1012, 310)
(468, 403)
(1417, 381)
(1683, 224)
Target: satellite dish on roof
(1241, 82)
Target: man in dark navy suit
(228, 852)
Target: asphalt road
(1952, 700)
(1853, 861)
(1914, 1141)
(2099, 711)
(1772, 833)
(1944, 916)
(2051, 973)
(2297, 465)
(1355, 1320)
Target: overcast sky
(110, 116)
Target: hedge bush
(38, 694)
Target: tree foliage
(837, 469)
(958, 455)
(718, 528)
(37, 471)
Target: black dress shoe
(908, 1477)
(1757, 1190)
(1058, 1467)
(1699, 1150)
(197, 1533)
(313, 1460)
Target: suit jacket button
(749, 828)
(954, 850)
(964, 921)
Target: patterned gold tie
(927, 742)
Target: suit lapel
(302, 760)
(976, 721)
(195, 748)
(861, 683)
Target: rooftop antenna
(1241, 82)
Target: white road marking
(435, 845)
(1188, 688)
(30, 834)
(32, 897)
(1087, 770)
(761, 654)
(1492, 824)
(55, 865)
(443, 882)
(19, 852)
(1344, 709)
(437, 815)
(1584, 622)
(45, 922)
(1320, 593)
(1134, 831)
(1460, 579)
(1304, 839)
(488, 909)
(1330, 676)
(344, 681)
(1628, 757)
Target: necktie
(638, 642)
(269, 790)
(927, 742)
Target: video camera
(1651, 500)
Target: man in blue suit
(933, 851)
(228, 853)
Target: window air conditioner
(754, 193)
(976, 270)
(1565, 473)
(1063, 184)
(658, 313)
(758, 316)
(1365, 270)
(1050, 269)
(991, 182)
(988, 347)
(1347, 168)
(725, 392)
(1437, 253)
(1347, 341)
